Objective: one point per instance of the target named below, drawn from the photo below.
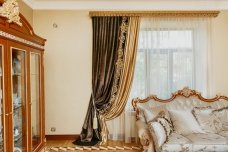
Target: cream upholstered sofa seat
(184, 102)
(197, 143)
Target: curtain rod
(156, 13)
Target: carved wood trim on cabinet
(22, 38)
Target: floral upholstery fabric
(222, 114)
(208, 121)
(160, 128)
(207, 139)
(177, 143)
(196, 143)
(224, 134)
(151, 113)
(209, 148)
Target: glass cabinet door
(35, 99)
(1, 101)
(18, 99)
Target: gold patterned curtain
(106, 33)
(114, 54)
(124, 72)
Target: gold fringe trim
(156, 13)
(221, 109)
(120, 60)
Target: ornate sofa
(185, 122)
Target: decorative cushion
(184, 122)
(222, 114)
(160, 128)
(151, 113)
(157, 132)
(141, 108)
(208, 121)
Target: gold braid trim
(221, 109)
(119, 63)
(156, 13)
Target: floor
(66, 145)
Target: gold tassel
(94, 123)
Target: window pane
(138, 86)
(164, 62)
(19, 99)
(182, 69)
(35, 99)
(159, 70)
(1, 101)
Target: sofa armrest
(143, 133)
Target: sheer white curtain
(172, 53)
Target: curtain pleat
(113, 62)
(127, 73)
(105, 43)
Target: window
(172, 54)
(163, 59)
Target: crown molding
(128, 4)
(30, 3)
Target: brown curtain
(123, 73)
(106, 33)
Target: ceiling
(128, 4)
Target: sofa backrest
(182, 99)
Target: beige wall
(220, 53)
(68, 65)
(26, 11)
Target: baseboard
(62, 137)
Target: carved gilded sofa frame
(185, 92)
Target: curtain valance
(156, 13)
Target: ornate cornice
(10, 10)
(156, 13)
(21, 40)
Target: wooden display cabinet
(21, 88)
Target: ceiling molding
(128, 4)
(30, 3)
